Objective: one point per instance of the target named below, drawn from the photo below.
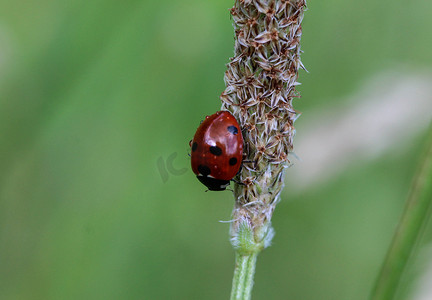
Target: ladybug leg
(253, 162)
(249, 161)
(238, 182)
(190, 145)
(246, 162)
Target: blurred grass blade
(408, 233)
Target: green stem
(408, 233)
(243, 276)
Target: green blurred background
(95, 96)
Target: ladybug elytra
(217, 150)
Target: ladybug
(217, 150)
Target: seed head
(261, 82)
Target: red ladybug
(217, 150)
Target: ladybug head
(213, 184)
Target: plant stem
(408, 233)
(243, 276)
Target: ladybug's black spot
(204, 170)
(215, 150)
(233, 161)
(194, 146)
(232, 129)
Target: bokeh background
(99, 99)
